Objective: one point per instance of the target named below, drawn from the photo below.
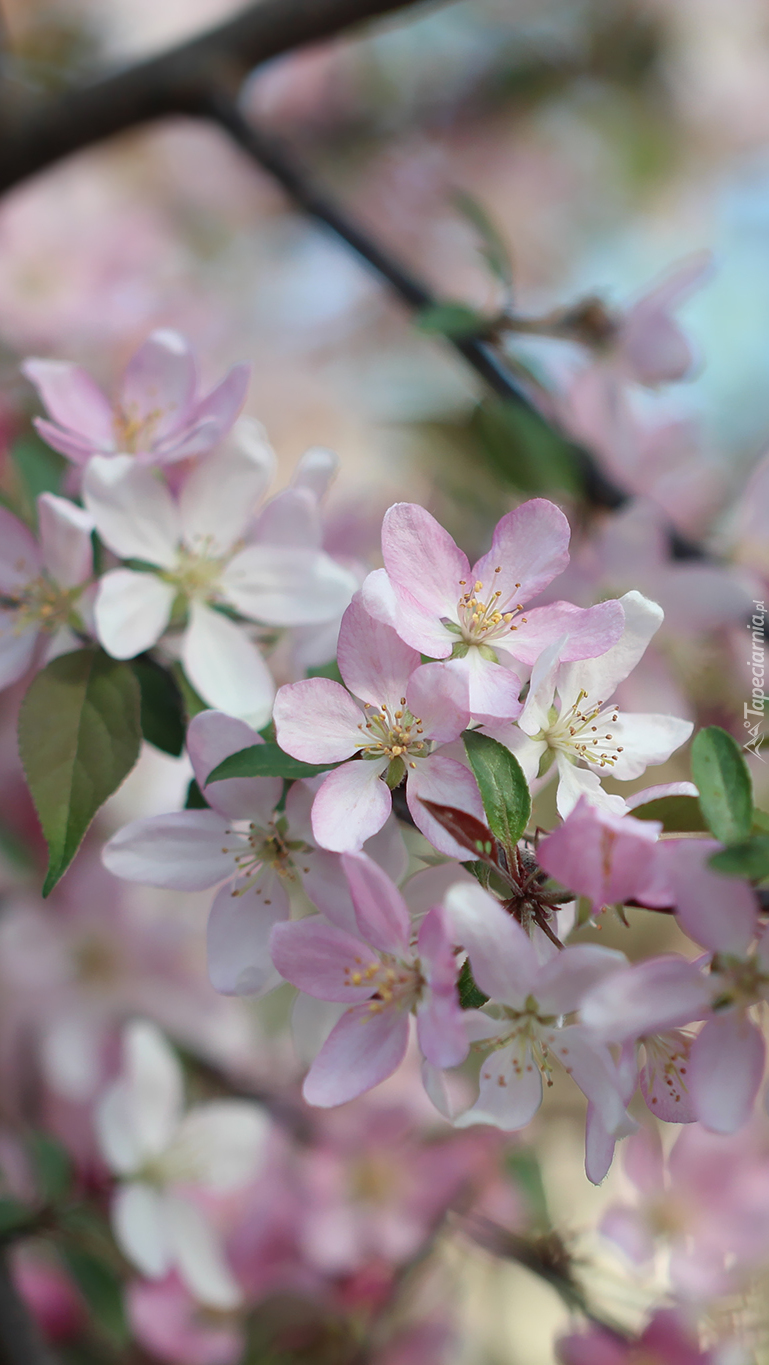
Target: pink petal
(380, 910)
(590, 631)
(428, 573)
(73, 399)
(326, 886)
(600, 677)
(660, 993)
(317, 721)
(488, 691)
(438, 696)
(362, 1050)
(351, 806)
(375, 663)
(65, 540)
(726, 1071)
(184, 850)
(565, 979)
(159, 383)
(448, 783)
(440, 1027)
(17, 649)
(212, 737)
(604, 857)
(530, 545)
(225, 401)
(320, 959)
(592, 1066)
(75, 448)
(290, 518)
(664, 1077)
(19, 553)
(719, 912)
(506, 1099)
(238, 936)
(503, 960)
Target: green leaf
(162, 706)
(679, 814)
(523, 449)
(523, 1165)
(721, 775)
(195, 798)
(265, 760)
(503, 787)
(39, 470)
(53, 1166)
(760, 822)
(471, 997)
(193, 704)
(452, 319)
(79, 736)
(748, 859)
(494, 248)
(13, 1214)
(101, 1288)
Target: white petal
(315, 470)
(574, 782)
(131, 611)
(138, 1221)
(182, 850)
(154, 1078)
(65, 539)
(287, 587)
(225, 668)
(115, 1131)
(198, 1255)
(133, 510)
(599, 677)
(219, 497)
(238, 936)
(223, 1142)
(646, 740)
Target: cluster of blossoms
(371, 843)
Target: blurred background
(607, 140)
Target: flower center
(391, 734)
(133, 433)
(197, 574)
(532, 1040)
(259, 851)
(743, 980)
(483, 619)
(583, 731)
(669, 1054)
(394, 984)
(42, 603)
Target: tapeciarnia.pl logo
(753, 711)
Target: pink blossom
(528, 1033)
(470, 616)
(170, 1324)
(158, 417)
(391, 731)
(255, 855)
(568, 716)
(382, 978)
(651, 348)
(198, 562)
(43, 585)
(665, 1341)
(605, 857)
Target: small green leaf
(195, 798)
(101, 1288)
(162, 706)
(760, 822)
(678, 814)
(79, 736)
(748, 859)
(522, 448)
(13, 1214)
(721, 775)
(494, 250)
(471, 997)
(40, 470)
(53, 1166)
(452, 319)
(523, 1165)
(265, 760)
(503, 787)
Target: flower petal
(351, 806)
(138, 1220)
(380, 910)
(599, 677)
(17, 649)
(212, 736)
(503, 960)
(592, 1066)
(131, 611)
(132, 509)
(565, 979)
(225, 668)
(223, 1141)
(322, 960)
(488, 691)
(727, 1067)
(589, 631)
(289, 586)
(373, 660)
(290, 518)
(159, 383)
(645, 740)
(317, 721)
(719, 912)
(362, 1050)
(238, 937)
(183, 850)
(65, 540)
(72, 399)
(428, 573)
(508, 1098)
(219, 496)
(530, 546)
(20, 558)
(438, 696)
(198, 1255)
(447, 783)
(660, 993)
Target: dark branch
(171, 83)
(20, 1341)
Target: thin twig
(37, 136)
